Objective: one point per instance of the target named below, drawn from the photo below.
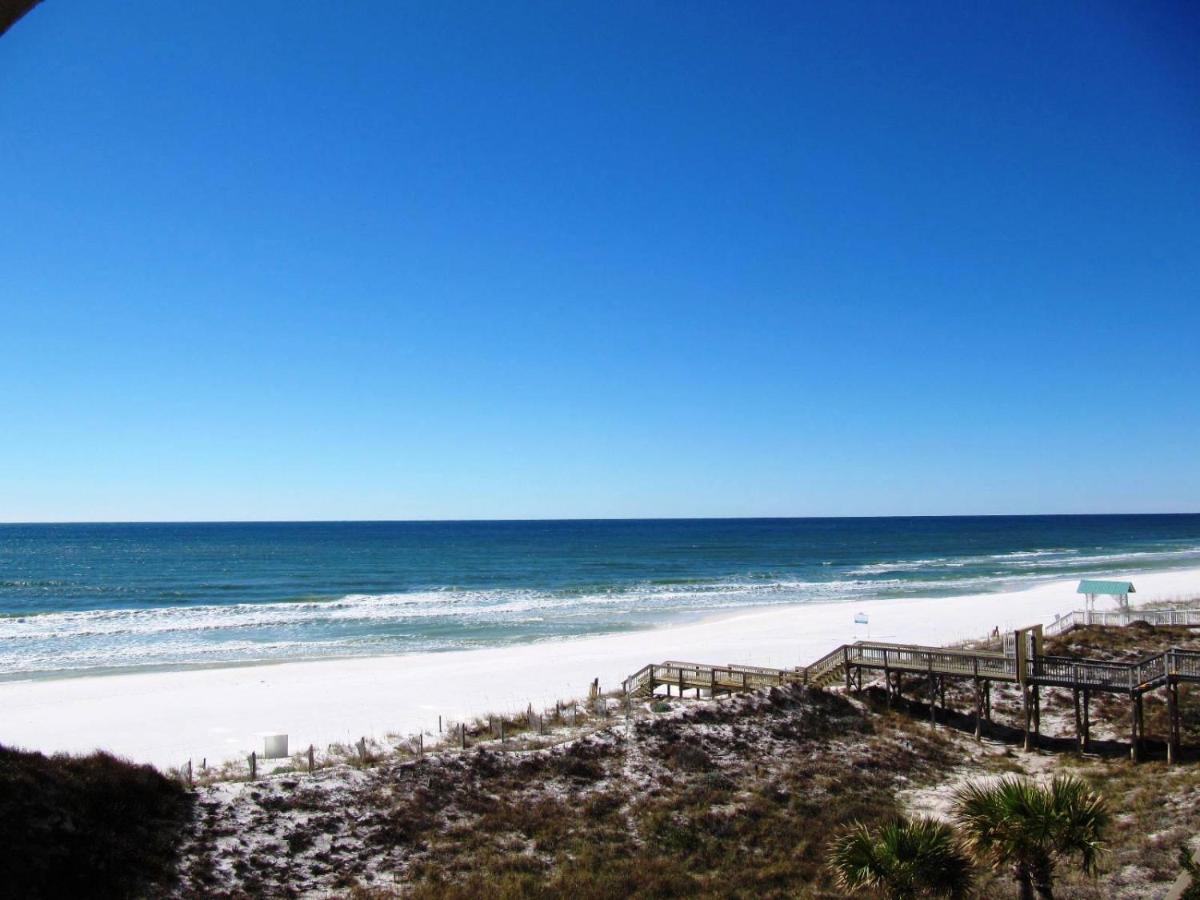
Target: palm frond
(904, 858)
(1015, 820)
(1082, 817)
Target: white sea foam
(421, 620)
(170, 716)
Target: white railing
(1122, 617)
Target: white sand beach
(166, 718)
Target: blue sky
(282, 261)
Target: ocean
(96, 598)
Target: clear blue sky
(279, 260)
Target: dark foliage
(91, 826)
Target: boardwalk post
(1087, 720)
(978, 699)
(310, 759)
(1025, 712)
(1172, 721)
(462, 736)
(1037, 715)
(846, 663)
(1141, 724)
(189, 775)
(887, 678)
(253, 766)
(1079, 741)
(421, 745)
(932, 696)
(1133, 727)
(978, 709)
(1021, 645)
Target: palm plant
(904, 859)
(1192, 868)
(1027, 828)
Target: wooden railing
(827, 664)
(1134, 677)
(1121, 617)
(984, 664)
(1186, 664)
(699, 675)
(1067, 671)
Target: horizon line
(459, 521)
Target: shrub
(86, 826)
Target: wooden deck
(1029, 669)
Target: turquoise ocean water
(78, 599)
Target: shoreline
(167, 717)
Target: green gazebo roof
(1087, 586)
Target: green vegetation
(1027, 828)
(1189, 865)
(731, 798)
(735, 797)
(904, 859)
(92, 826)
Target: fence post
(310, 759)
(253, 766)
(462, 736)
(189, 774)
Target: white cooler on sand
(275, 746)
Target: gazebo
(1119, 589)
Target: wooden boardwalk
(1026, 667)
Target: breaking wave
(191, 633)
